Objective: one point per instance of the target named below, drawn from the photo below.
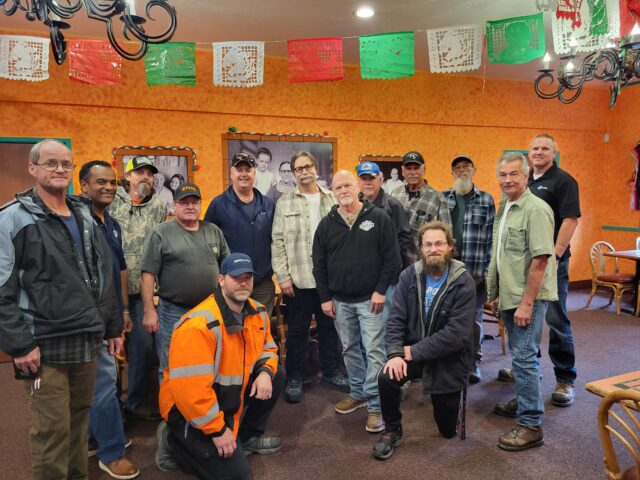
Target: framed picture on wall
(391, 168)
(174, 164)
(273, 153)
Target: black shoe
(339, 382)
(509, 409)
(389, 440)
(475, 376)
(293, 391)
(506, 375)
(262, 445)
(144, 412)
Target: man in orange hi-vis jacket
(221, 358)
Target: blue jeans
(561, 349)
(357, 326)
(105, 419)
(140, 356)
(388, 301)
(524, 343)
(169, 313)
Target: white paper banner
(563, 31)
(24, 58)
(238, 64)
(455, 49)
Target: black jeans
(299, 310)
(195, 452)
(445, 405)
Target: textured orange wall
(439, 115)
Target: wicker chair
(600, 278)
(623, 406)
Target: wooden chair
(623, 406)
(600, 278)
(278, 325)
(496, 318)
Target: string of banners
(585, 25)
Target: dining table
(633, 255)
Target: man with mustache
(421, 202)
(187, 248)
(222, 382)
(138, 211)
(429, 335)
(472, 213)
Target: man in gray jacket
(429, 335)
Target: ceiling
(275, 21)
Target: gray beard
(144, 190)
(463, 185)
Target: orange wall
(439, 115)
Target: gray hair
(510, 157)
(34, 154)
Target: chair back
(599, 261)
(619, 426)
(637, 243)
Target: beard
(462, 185)
(144, 189)
(345, 201)
(435, 266)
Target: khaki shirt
(527, 233)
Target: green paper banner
(387, 56)
(171, 63)
(515, 40)
(599, 20)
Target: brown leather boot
(521, 438)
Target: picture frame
(391, 168)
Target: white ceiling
(206, 21)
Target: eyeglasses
(429, 245)
(285, 171)
(304, 168)
(52, 166)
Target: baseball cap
(368, 168)
(461, 158)
(243, 157)
(412, 157)
(236, 264)
(139, 162)
(187, 190)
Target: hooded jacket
(444, 342)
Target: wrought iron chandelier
(51, 13)
(619, 65)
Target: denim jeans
(388, 301)
(524, 343)
(105, 419)
(561, 349)
(140, 356)
(168, 313)
(357, 326)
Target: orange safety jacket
(211, 358)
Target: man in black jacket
(355, 258)
(429, 335)
(56, 296)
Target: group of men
(399, 278)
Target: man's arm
(279, 260)
(444, 215)
(397, 322)
(390, 252)
(403, 229)
(522, 316)
(490, 219)
(567, 229)
(320, 272)
(150, 318)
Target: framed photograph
(273, 153)
(174, 164)
(391, 167)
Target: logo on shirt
(115, 233)
(367, 225)
(542, 187)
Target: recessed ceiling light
(365, 12)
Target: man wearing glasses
(286, 183)
(57, 303)
(297, 216)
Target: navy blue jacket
(251, 236)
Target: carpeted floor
(320, 444)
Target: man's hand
(29, 362)
(261, 388)
(115, 346)
(377, 302)
(287, 288)
(407, 353)
(522, 317)
(396, 367)
(329, 309)
(495, 306)
(150, 320)
(128, 323)
(225, 443)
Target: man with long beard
(472, 214)
(429, 335)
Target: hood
(122, 194)
(456, 268)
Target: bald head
(34, 154)
(345, 187)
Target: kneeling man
(429, 335)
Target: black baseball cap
(243, 158)
(413, 157)
(187, 190)
(461, 158)
(139, 162)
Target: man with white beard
(472, 213)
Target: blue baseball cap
(368, 168)
(236, 264)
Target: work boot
(506, 375)
(375, 423)
(389, 440)
(293, 391)
(509, 409)
(349, 404)
(563, 395)
(262, 445)
(339, 382)
(521, 438)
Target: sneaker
(262, 445)
(506, 375)
(509, 409)
(389, 440)
(144, 412)
(349, 404)
(293, 391)
(93, 446)
(475, 376)
(120, 468)
(563, 395)
(521, 438)
(339, 381)
(375, 423)
(164, 460)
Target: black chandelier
(51, 13)
(618, 65)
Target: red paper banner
(570, 10)
(629, 15)
(94, 62)
(315, 59)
